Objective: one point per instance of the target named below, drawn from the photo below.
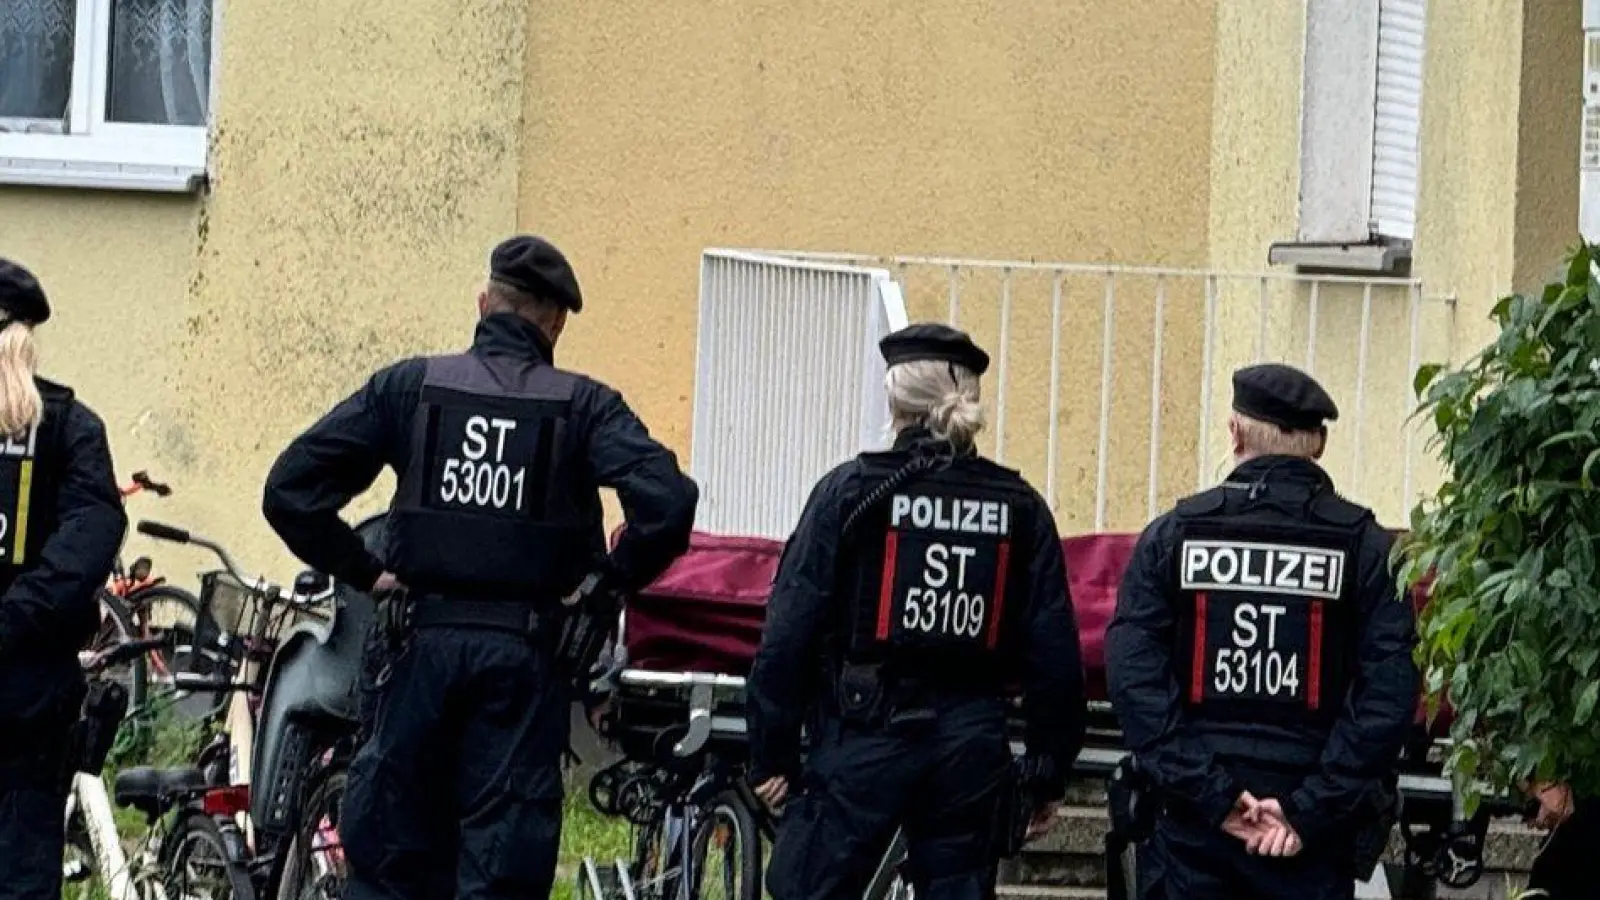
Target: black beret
(21, 297)
(927, 340)
(1283, 396)
(533, 265)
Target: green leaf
(1578, 267)
(1586, 700)
(1424, 377)
(1566, 437)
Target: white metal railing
(1163, 343)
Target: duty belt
(514, 616)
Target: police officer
(61, 523)
(1260, 663)
(919, 585)
(495, 519)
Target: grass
(170, 741)
(585, 832)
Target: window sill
(116, 157)
(1390, 258)
(101, 176)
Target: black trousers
(457, 791)
(1188, 860)
(1565, 868)
(33, 801)
(941, 781)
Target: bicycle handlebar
(173, 534)
(125, 653)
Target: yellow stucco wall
(355, 200)
(1045, 129)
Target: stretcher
(689, 638)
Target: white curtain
(160, 61)
(36, 40)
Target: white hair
(923, 392)
(1258, 438)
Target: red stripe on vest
(1314, 668)
(891, 547)
(1002, 566)
(1197, 677)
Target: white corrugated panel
(1589, 154)
(788, 383)
(1398, 119)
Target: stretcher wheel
(603, 791)
(1460, 861)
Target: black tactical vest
(937, 567)
(1267, 591)
(30, 479)
(488, 505)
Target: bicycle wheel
(313, 864)
(651, 852)
(165, 610)
(725, 854)
(199, 863)
(116, 628)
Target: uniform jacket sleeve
(336, 459)
(1366, 741)
(1144, 686)
(1053, 700)
(803, 593)
(56, 597)
(658, 499)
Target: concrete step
(1511, 846)
(1040, 892)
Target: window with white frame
(1361, 114)
(105, 93)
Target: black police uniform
(1260, 644)
(61, 523)
(917, 587)
(496, 516)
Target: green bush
(1511, 635)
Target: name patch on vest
(1252, 647)
(1263, 568)
(945, 564)
(487, 463)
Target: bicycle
(244, 616)
(688, 803)
(682, 785)
(181, 846)
(136, 604)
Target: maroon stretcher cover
(705, 613)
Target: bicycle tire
(728, 808)
(325, 797)
(195, 829)
(156, 594)
(114, 611)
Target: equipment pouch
(1131, 803)
(589, 619)
(394, 616)
(859, 693)
(104, 707)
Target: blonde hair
(21, 407)
(1257, 438)
(923, 392)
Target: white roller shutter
(788, 382)
(1398, 117)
